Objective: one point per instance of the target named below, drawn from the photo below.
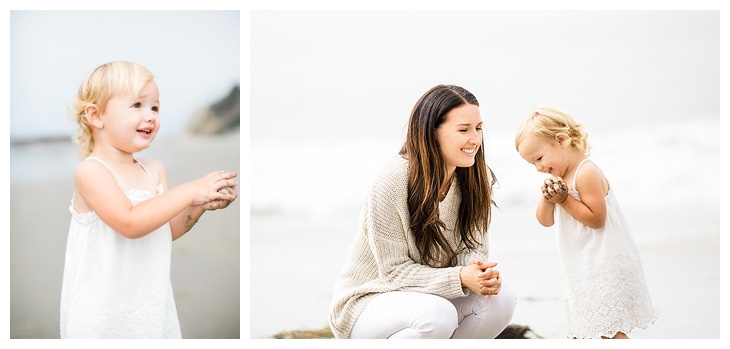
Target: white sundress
(605, 290)
(115, 287)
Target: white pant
(403, 314)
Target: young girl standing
(116, 281)
(606, 295)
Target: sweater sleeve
(393, 245)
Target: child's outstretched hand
(232, 191)
(209, 189)
(555, 190)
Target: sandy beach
(683, 276)
(205, 262)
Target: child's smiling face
(130, 123)
(547, 154)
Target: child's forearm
(183, 222)
(139, 220)
(582, 213)
(544, 212)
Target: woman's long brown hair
(427, 171)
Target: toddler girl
(606, 295)
(116, 280)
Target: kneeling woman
(419, 266)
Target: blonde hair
(550, 122)
(99, 86)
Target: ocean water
(666, 176)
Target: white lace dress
(605, 290)
(115, 287)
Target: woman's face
(460, 136)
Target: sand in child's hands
(226, 190)
(555, 187)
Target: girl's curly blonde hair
(99, 86)
(550, 122)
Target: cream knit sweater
(384, 256)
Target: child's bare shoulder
(590, 174)
(89, 167)
(591, 168)
(90, 174)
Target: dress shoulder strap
(107, 167)
(576, 172)
(146, 170)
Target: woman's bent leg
(481, 317)
(403, 314)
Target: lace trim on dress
(595, 310)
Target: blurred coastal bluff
(223, 116)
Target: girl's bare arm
(99, 189)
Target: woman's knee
(506, 303)
(438, 319)
(406, 315)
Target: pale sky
(194, 55)
(322, 74)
